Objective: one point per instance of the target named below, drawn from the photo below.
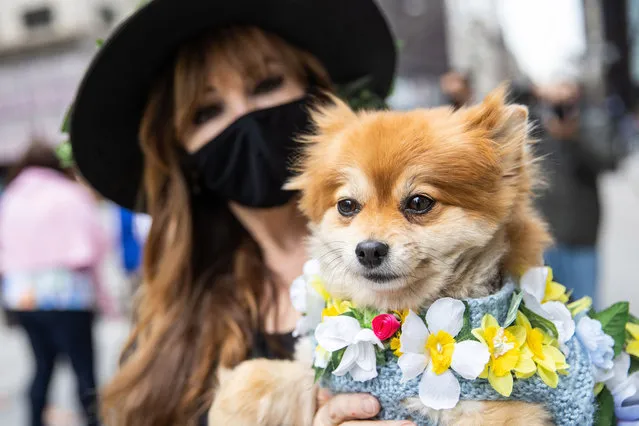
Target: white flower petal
(412, 365)
(314, 307)
(414, 334)
(298, 294)
(559, 314)
(440, 392)
(348, 360)
(619, 371)
(366, 358)
(322, 357)
(360, 375)
(367, 335)
(469, 359)
(446, 314)
(533, 304)
(337, 332)
(534, 282)
(302, 327)
(311, 268)
(602, 376)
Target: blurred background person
(51, 244)
(541, 47)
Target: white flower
(533, 285)
(299, 293)
(432, 350)
(321, 358)
(600, 347)
(307, 300)
(625, 391)
(359, 359)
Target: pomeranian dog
(406, 208)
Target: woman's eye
(268, 85)
(207, 113)
(348, 207)
(418, 204)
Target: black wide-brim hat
(350, 38)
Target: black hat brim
(350, 38)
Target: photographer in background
(541, 47)
(576, 144)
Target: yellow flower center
(502, 346)
(440, 346)
(502, 343)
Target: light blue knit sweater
(572, 403)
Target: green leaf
(350, 313)
(367, 317)
(64, 153)
(380, 357)
(358, 95)
(514, 307)
(319, 373)
(540, 322)
(336, 358)
(99, 42)
(66, 123)
(466, 332)
(606, 409)
(633, 319)
(613, 322)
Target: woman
(51, 243)
(189, 111)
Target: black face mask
(249, 161)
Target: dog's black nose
(371, 253)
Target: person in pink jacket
(51, 244)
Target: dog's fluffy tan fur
(475, 163)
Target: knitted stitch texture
(572, 403)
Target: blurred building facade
(45, 46)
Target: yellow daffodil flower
(318, 286)
(632, 344)
(549, 359)
(506, 355)
(336, 307)
(579, 305)
(395, 344)
(554, 290)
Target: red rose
(385, 325)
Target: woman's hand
(350, 410)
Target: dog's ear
(507, 127)
(328, 118)
(505, 124)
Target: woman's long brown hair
(205, 284)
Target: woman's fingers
(342, 408)
(378, 423)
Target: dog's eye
(348, 207)
(419, 204)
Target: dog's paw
(264, 393)
(484, 413)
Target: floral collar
(526, 337)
